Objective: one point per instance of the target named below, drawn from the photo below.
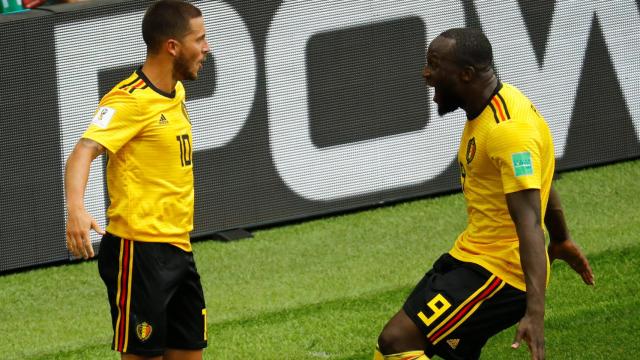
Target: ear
(172, 47)
(467, 74)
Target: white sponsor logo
(362, 167)
(103, 116)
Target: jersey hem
(508, 278)
(185, 246)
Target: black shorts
(155, 296)
(458, 306)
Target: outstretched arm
(76, 175)
(524, 208)
(561, 246)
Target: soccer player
(145, 259)
(497, 271)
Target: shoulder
(515, 98)
(513, 128)
(512, 134)
(521, 108)
(119, 104)
(117, 95)
(123, 95)
(511, 90)
(521, 105)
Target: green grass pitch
(323, 289)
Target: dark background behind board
(362, 83)
(370, 63)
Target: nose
(206, 48)
(426, 73)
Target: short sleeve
(115, 122)
(514, 148)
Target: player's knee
(400, 335)
(391, 340)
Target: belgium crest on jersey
(471, 150)
(143, 331)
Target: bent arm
(554, 218)
(524, 208)
(76, 175)
(561, 246)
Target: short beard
(449, 102)
(181, 69)
(447, 107)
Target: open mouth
(436, 96)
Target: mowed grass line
(335, 329)
(323, 289)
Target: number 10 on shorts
(438, 305)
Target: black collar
(146, 80)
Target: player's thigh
(465, 338)
(139, 287)
(109, 267)
(498, 312)
(448, 283)
(447, 300)
(186, 311)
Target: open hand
(79, 223)
(531, 330)
(569, 251)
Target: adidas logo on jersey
(163, 120)
(453, 343)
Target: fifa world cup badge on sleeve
(103, 116)
(522, 164)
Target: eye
(432, 64)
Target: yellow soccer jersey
(505, 149)
(147, 134)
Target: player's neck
(480, 94)
(160, 73)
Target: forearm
(77, 172)
(75, 179)
(524, 208)
(554, 219)
(534, 266)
